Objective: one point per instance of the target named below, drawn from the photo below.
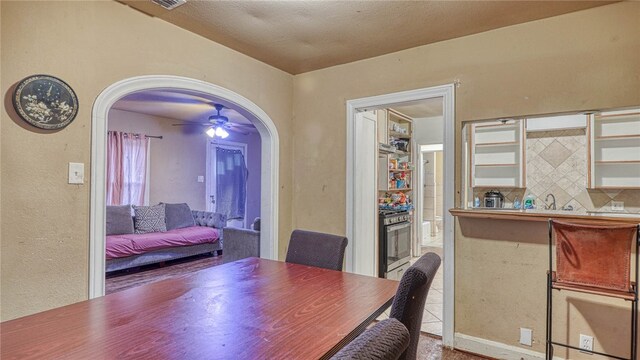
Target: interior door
(212, 178)
(365, 196)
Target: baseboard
(495, 349)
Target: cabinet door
(383, 127)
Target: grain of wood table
(248, 309)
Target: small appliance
(493, 199)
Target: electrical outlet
(586, 342)
(526, 336)
(617, 206)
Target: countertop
(544, 215)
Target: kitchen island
(500, 286)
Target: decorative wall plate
(45, 102)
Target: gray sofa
(201, 218)
(241, 243)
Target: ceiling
(421, 108)
(180, 106)
(301, 36)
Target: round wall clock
(45, 102)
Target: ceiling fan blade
(191, 124)
(248, 126)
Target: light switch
(200, 178)
(76, 173)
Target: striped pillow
(149, 219)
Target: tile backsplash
(557, 164)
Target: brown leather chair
(593, 259)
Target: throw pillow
(150, 219)
(178, 216)
(119, 220)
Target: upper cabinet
(614, 150)
(497, 154)
(395, 129)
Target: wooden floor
(429, 348)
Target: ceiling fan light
(222, 132)
(211, 132)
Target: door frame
(447, 93)
(208, 180)
(270, 159)
(419, 201)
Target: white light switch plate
(76, 173)
(526, 336)
(200, 178)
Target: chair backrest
(408, 304)
(386, 340)
(594, 255)
(316, 249)
(239, 244)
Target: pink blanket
(134, 244)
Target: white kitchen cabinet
(497, 154)
(614, 150)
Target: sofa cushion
(149, 219)
(119, 220)
(178, 216)
(119, 246)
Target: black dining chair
(408, 304)
(386, 340)
(316, 249)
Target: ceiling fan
(218, 124)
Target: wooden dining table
(248, 309)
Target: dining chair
(408, 304)
(593, 259)
(316, 249)
(386, 340)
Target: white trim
(269, 174)
(208, 181)
(496, 350)
(447, 92)
(431, 148)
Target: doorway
(216, 190)
(359, 211)
(269, 162)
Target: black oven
(395, 241)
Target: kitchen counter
(544, 215)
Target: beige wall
(583, 60)
(91, 45)
(176, 160)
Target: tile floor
(432, 316)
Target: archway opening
(269, 160)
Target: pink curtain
(126, 168)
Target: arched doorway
(269, 159)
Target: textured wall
(91, 45)
(583, 60)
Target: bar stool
(583, 251)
